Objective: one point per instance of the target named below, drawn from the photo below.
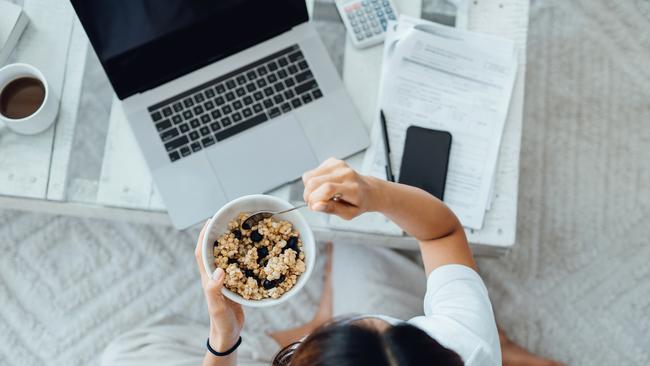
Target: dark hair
(346, 344)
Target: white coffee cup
(41, 118)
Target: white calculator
(366, 20)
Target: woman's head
(367, 342)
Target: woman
(457, 328)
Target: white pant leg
(373, 280)
(173, 341)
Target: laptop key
(258, 95)
(257, 108)
(250, 87)
(167, 111)
(196, 147)
(302, 65)
(241, 79)
(163, 125)
(268, 91)
(283, 61)
(185, 151)
(304, 76)
(230, 84)
(208, 105)
(188, 102)
(288, 94)
(176, 143)
(282, 74)
(198, 110)
(296, 56)
(244, 125)
(268, 103)
(261, 83)
(285, 107)
(272, 78)
(247, 112)
(272, 66)
(317, 94)
(227, 109)
(306, 86)
(215, 126)
(289, 82)
(279, 86)
(177, 119)
(262, 70)
(248, 100)
(208, 141)
(194, 135)
(199, 98)
(240, 91)
(306, 98)
(188, 114)
(215, 114)
(219, 101)
(236, 117)
(156, 116)
(226, 122)
(230, 96)
(205, 119)
(274, 112)
(204, 131)
(195, 123)
(178, 106)
(209, 93)
(220, 89)
(173, 156)
(237, 105)
(292, 69)
(278, 98)
(251, 75)
(296, 103)
(184, 127)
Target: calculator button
(368, 34)
(391, 16)
(357, 30)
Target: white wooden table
(36, 172)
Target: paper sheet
(453, 80)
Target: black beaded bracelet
(222, 354)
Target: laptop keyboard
(235, 102)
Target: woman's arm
(226, 317)
(440, 234)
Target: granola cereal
(262, 262)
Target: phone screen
(425, 159)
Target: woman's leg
(373, 280)
(513, 354)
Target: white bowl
(219, 225)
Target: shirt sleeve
(458, 314)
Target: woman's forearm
(211, 360)
(417, 212)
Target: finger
(337, 176)
(349, 193)
(215, 283)
(344, 210)
(198, 253)
(326, 167)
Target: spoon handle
(291, 209)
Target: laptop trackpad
(263, 157)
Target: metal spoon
(258, 216)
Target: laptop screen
(145, 43)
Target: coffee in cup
(21, 97)
(26, 104)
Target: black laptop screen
(145, 43)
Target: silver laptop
(225, 98)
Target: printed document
(453, 80)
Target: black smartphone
(425, 159)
